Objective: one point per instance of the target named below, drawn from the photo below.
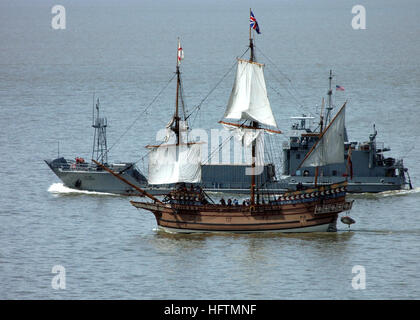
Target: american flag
(339, 88)
(253, 23)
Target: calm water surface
(126, 54)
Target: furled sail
(175, 163)
(245, 135)
(248, 100)
(330, 147)
(183, 128)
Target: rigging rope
(210, 157)
(145, 109)
(197, 107)
(287, 78)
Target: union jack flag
(253, 23)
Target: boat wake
(61, 189)
(392, 193)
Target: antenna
(99, 139)
(321, 120)
(330, 107)
(93, 109)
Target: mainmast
(254, 124)
(248, 102)
(251, 43)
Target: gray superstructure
(365, 165)
(367, 170)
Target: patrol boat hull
(103, 181)
(90, 177)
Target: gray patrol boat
(366, 166)
(367, 169)
(79, 174)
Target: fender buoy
(78, 183)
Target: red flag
(180, 52)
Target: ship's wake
(61, 189)
(384, 194)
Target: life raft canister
(80, 160)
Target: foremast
(176, 125)
(179, 162)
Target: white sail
(245, 135)
(330, 147)
(248, 100)
(172, 164)
(169, 133)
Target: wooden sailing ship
(188, 209)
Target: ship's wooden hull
(299, 212)
(318, 228)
